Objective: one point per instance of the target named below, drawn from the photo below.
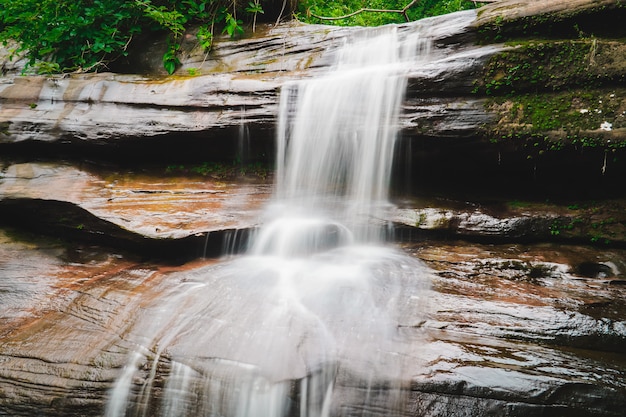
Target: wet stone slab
(510, 330)
(553, 294)
(64, 311)
(80, 201)
(601, 222)
(155, 206)
(519, 330)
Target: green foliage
(254, 8)
(308, 9)
(205, 37)
(85, 35)
(233, 25)
(45, 67)
(170, 58)
(173, 20)
(72, 35)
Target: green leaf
(170, 66)
(170, 59)
(254, 8)
(205, 37)
(233, 26)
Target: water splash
(308, 322)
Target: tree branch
(402, 12)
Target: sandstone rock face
(202, 212)
(238, 86)
(166, 207)
(168, 216)
(521, 304)
(511, 327)
(511, 10)
(107, 108)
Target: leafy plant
(169, 19)
(86, 35)
(233, 25)
(170, 58)
(205, 37)
(254, 8)
(82, 34)
(376, 12)
(47, 68)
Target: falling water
(309, 322)
(337, 133)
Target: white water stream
(309, 322)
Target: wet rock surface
(587, 221)
(156, 206)
(548, 352)
(203, 214)
(513, 329)
(550, 17)
(189, 216)
(527, 299)
(238, 88)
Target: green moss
(590, 225)
(589, 221)
(537, 65)
(570, 111)
(4, 128)
(550, 95)
(572, 117)
(222, 170)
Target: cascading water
(309, 322)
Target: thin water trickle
(307, 323)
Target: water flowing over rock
(508, 327)
(324, 300)
(239, 85)
(441, 301)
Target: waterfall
(337, 133)
(308, 323)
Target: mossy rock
(510, 19)
(548, 95)
(545, 66)
(592, 223)
(588, 118)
